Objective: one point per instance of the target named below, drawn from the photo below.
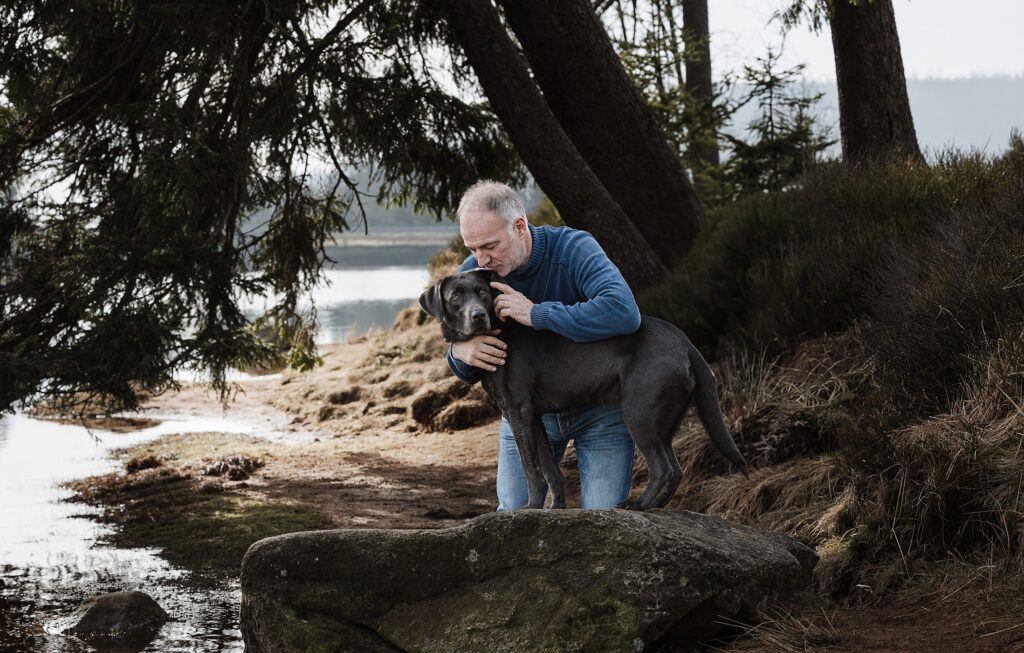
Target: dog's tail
(711, 415)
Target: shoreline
(318, 459)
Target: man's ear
(521, 224)
(432, 301)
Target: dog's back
(654, 374)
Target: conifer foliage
(138, 140)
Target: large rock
(119, 616)
(530, 580)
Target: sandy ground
(369, 464)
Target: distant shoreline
(388, 246)
(395, 236)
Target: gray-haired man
(558, 279)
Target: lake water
(372, 278)
(53, 555)
(352, 301)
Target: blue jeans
(603, 448)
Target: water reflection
(351, 302)
(341, 322)
(51, 551)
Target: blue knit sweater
(576, 290)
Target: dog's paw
(630, 505)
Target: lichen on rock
(594, 580)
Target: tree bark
(696, 36)
(874, 112)
(606, 118)
(548, 153)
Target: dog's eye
(482, 292)
(456, 298)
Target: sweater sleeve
(609, 309)
(464, 371)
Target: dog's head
(463, 303)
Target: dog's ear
(432, 300)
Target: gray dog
(653, 373)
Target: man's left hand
(513, 304)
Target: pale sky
(938, 38)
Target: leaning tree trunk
(607, 120)
(698, 76)
(545, 149)
(874, 112)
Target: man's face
(488, 238)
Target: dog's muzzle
(476, 321)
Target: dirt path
(378, 477)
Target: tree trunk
(607, 120)
(874, 113)
(545, 149)
(696, 36)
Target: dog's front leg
(548, 466)
(526, 442)
(538, 461)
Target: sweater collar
(540, 246)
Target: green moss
(210, 532)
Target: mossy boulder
(529, 580)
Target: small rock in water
(120, 616)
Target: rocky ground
(381, 436)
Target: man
(559, 280)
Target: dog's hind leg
(651, 424)
(663, 477)
(675, 476)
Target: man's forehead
(480, 226)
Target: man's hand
(513, 304)
(481, 351)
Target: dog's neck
(452, 335)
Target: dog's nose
(478, 316)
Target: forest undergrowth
(867, 332)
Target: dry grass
(368, 383)
(785, 414)
(952, 484)
(879, 503)
(786, 631)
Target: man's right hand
(484, 352)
